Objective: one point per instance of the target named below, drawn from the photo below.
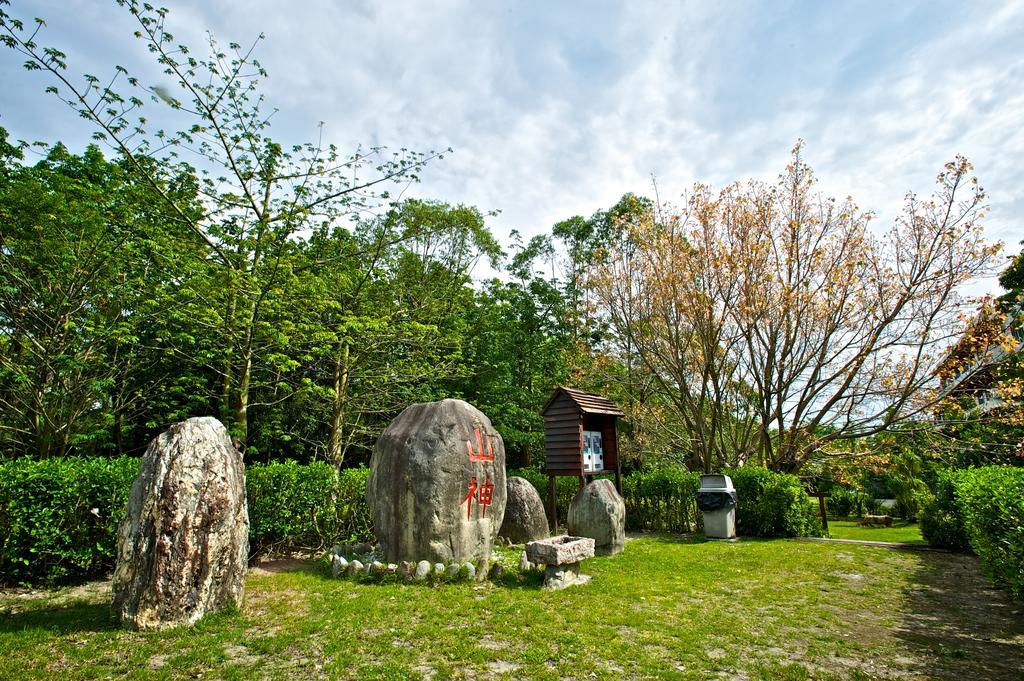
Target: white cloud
(555, 109)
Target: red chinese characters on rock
(479, 454)
(481, 494)
(484, 451)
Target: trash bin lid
(716, 483)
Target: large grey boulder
(437, 484)
(183, 546)
(525, 518)
(598, 512)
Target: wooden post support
(821, 509)
(553, 504)
(618, 459)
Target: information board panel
(593, 451)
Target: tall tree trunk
(241, 424)
(118, 431)
(335, 441)
(227, 370)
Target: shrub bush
(351, 511)
(941, 518)
(772, 504)
(566, 489)
(49, 531)
(294, 507)
(58, 517)
(992, 504)
(848, 502)
(660, 500)
(663, 499)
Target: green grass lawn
(901, 531)
(666, 607)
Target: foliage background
(58, 517)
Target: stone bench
(876, 521)
(561, 555)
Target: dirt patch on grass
(502, 667)
(949, 623)
(425, 671)
(985, 639)
(278, 565)
(15, 600)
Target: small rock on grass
(452, 571)
(439, 569)
(422, 569)
(470, 570)
(354, 568)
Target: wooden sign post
(581, 438)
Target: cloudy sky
(558, 108)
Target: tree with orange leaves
(776, 322)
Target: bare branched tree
(777, 322)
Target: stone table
(561, 555)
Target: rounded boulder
(599, 512)
(437, 484)
(525, 517)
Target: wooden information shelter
(581, 437)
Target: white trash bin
(717, 499)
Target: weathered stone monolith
(183, 546)
(525, 517)
(437, 484)
(598, 512)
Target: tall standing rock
(598, 512)
(182, 548)
(437, 484)
(525, 518)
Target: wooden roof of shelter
(587, 402)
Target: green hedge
(846, 502)
(58, 517)
(773, 504)
(49, 532)
(991, 501)
(566, 488)
(981, 509)
(663, 499)
(293, 506)
(941, 519)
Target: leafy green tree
(257, 194)
(1012, 281)
(80, 296)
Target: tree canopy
(210, 267)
